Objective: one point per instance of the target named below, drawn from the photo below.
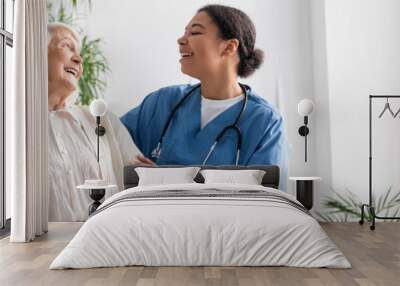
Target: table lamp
(98, 108)
(305, 108)
(97, 188)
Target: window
(6, 44)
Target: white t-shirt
(211, 108)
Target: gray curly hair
(52, 27)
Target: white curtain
(26, 120)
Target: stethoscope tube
(157, 151)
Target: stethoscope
(157, 151)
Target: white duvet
(200, 231)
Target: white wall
(356, 53)
(335, 52)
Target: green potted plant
(345, 207)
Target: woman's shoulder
(172, 90)
(263, 107)
(168, 94)
(179, 88)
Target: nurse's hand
(142, 160)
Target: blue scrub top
(186, 143)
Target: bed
(201, 224)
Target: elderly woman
(72, 138)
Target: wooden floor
(375, 257)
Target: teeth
(186, 54)
(71, 70)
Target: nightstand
(97, 190)
(304, 190)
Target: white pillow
(248, 177)
(163, 176)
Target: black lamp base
(96, 195)
(100, 130)
(303, 130)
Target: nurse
(217, 47)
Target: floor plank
(374, 255)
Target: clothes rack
(370, 204)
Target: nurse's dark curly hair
(235, 24)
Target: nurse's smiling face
(202, 50)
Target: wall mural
(87, 82)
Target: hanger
(398, 112)
(387, 107)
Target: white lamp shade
(305, 107)
(98, 107)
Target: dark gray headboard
(270, 179)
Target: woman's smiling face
(200, 47)
(65, 62)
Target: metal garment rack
(369, 205)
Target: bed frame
(270, 179)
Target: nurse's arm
(138, 120)
(131, 121)
(273, 150)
